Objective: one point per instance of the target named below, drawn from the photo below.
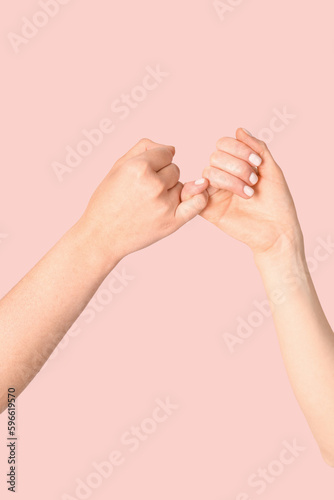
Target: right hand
(139, 201)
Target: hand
(138, 202)
(262, 216)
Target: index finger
(142, 146)
(158, 158)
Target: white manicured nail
(253, 178)
(247, 132)
(199, 182)
(248, 190)
(255, 160)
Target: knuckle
(142, 166)
(263, 146)
(221, 143)
(176, 170)
(213, 157)
(206, 172)
(168, 154)
(137, 168)
(158, 187)
(144, 142)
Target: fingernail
(255, 159)
(247, 132)
(199, 182)
(248, 190)
(253, 178)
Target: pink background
(162, 335)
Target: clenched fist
(139, 201)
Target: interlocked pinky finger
(223, 180)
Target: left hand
(249, 198)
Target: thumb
(194, 199)
(190, 189)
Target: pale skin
(37, 312)
(137, 204)
(267, 222)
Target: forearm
(306, 340)
(38, 311)
(136, 204)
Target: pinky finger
(223, 180)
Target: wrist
(286, 251)
(96, 255)
(284, 269)
(285, 275)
